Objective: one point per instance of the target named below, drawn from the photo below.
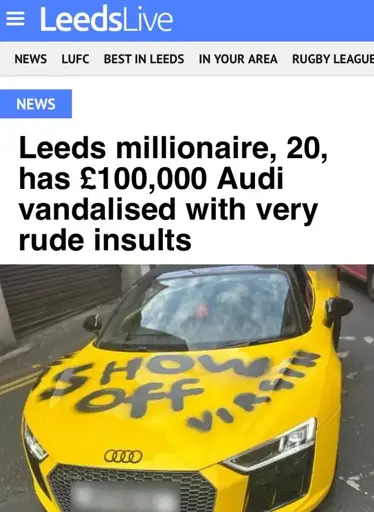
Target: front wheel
(370, 282)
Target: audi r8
(210, 388)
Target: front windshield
(204, 312)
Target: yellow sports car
(210, 389)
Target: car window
(208, 311)
(305, 286)
(309, 297)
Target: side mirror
(336, 308)
(93, 323)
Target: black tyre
(370, 283)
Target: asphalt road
(354, 486)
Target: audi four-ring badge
(210, 389)
(123, 456)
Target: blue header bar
(187, 20)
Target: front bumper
(214, 489)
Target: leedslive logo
(129, 20)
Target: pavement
(353, 490)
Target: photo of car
(210, 389)
(364, 273)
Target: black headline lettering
(135, 178)
(269, 180)
(63, 150)
(86, 209)
(161, 240)
(283, 211)
(43, 180)
(216, 209)
(57, 241)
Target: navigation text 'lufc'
(129, 20)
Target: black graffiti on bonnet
(275, 385)
(40, 377)
(131, 369)
(225, 415)
(157, 364)
(140, 398)
(172, 364)
(49, 367)
(307, 359)
(161, 364)
(175, 364)
(289, 372)
(203, 424)
(301, 358)
(183, 364)
(255, 368)
(248, 401)
(67, 376)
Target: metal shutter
(38, 295)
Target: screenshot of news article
(187, 256)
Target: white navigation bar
(110, 58)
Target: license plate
(125, 497)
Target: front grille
(197, 494)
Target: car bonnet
(185, 410)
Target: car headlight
(299, 438)
(32, 444)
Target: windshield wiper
(245, 343)
(156, 334)
(136, 349)
(249, 343)
(176, 345)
